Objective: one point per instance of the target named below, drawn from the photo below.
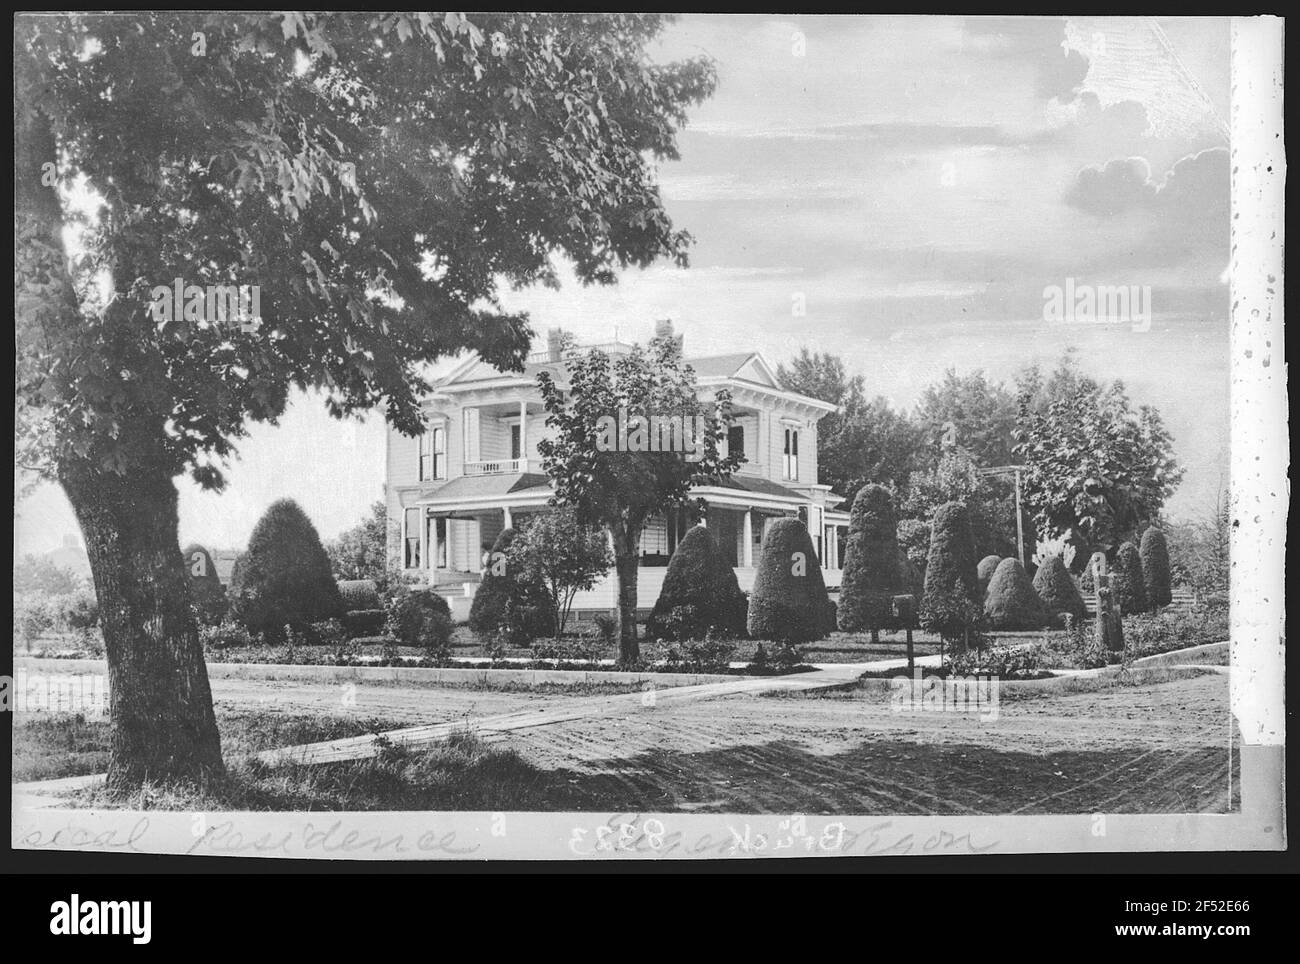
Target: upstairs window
(433, 454)
(790, 456)
(736, 440)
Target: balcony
(496, 467)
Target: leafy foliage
(620, 491)
(871, 563)
(788, 603)
(284, 577)
(701, 590)
(984, 572)
(508, 603)
(971, 414)
(361, 552)
(559, 555)
(420, 617)
(950, 605)
(33, 574)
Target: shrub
(1004, 662)
(789, 601)
(420, 617)
(359, 593)
(1011, 602)
(871, 563)
(284, 578)
(700, 593)
(506, 603)
(1126, 581)
(207, 595)
(563, 555)
(950, 605)
(984, 572)
(1154, 556)
(33, 617)
(606, 626)
(225, 635)
(1057, 591)
(364, 622)
(698, 656)
(566, 652)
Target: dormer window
(736, 440)
(433, 454)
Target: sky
(900, 191)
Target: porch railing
(496, 467)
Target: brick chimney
(554, 344)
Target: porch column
(747, 537)
(833, 557)
(426, 558)
(523, 429)
(449, 559)
(509, 520)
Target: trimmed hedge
(359, 593)
(1011, 602)
(504, 603)
(1127, 582)
(1057, 591)
(1154, 554)
(419, 617)
(951, 605)
(206, 592)
(364, 622)
(784, 606)
(871, 563)
(285, 577)
(984, 572)
(700, 593)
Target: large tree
(374, 177)
(612, 484)
(361, 552)
(969, 413)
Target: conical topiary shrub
(871, 564)
(1057, 591)
(950, 605)
(789, 601)
(1127, 582)
(505, 603)
(206, 592)
(1011, 602)
(984, 572)
(1154, 554)
(700, 593)
(284, 578)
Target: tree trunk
(625, 569)
(160, 703)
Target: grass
(460, 773)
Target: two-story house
(476, 470)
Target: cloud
(1121, 185)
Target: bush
(359, 594)
(1004, 662)
(505, 604)
(789, 601)
(207, 595)
(284, 578)
(364, 622)
(1154, 556)
(698, 656)
(1057, 591)
(33, 617)
(420, 617)
(225, 635)
(1127, 582)
(984, 572)
(700, 594)
(950, 605)
(871, 563)
(606, 626)
(566, 652)
(1011, 602)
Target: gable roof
(748, 366)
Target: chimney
(554, 344)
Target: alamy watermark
(652, 433)
(235, 305)
(1098, 304)
(976, 695)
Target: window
(411, 558)
(790, 455)
(433, 454)
(736, 440)
(515, 453)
